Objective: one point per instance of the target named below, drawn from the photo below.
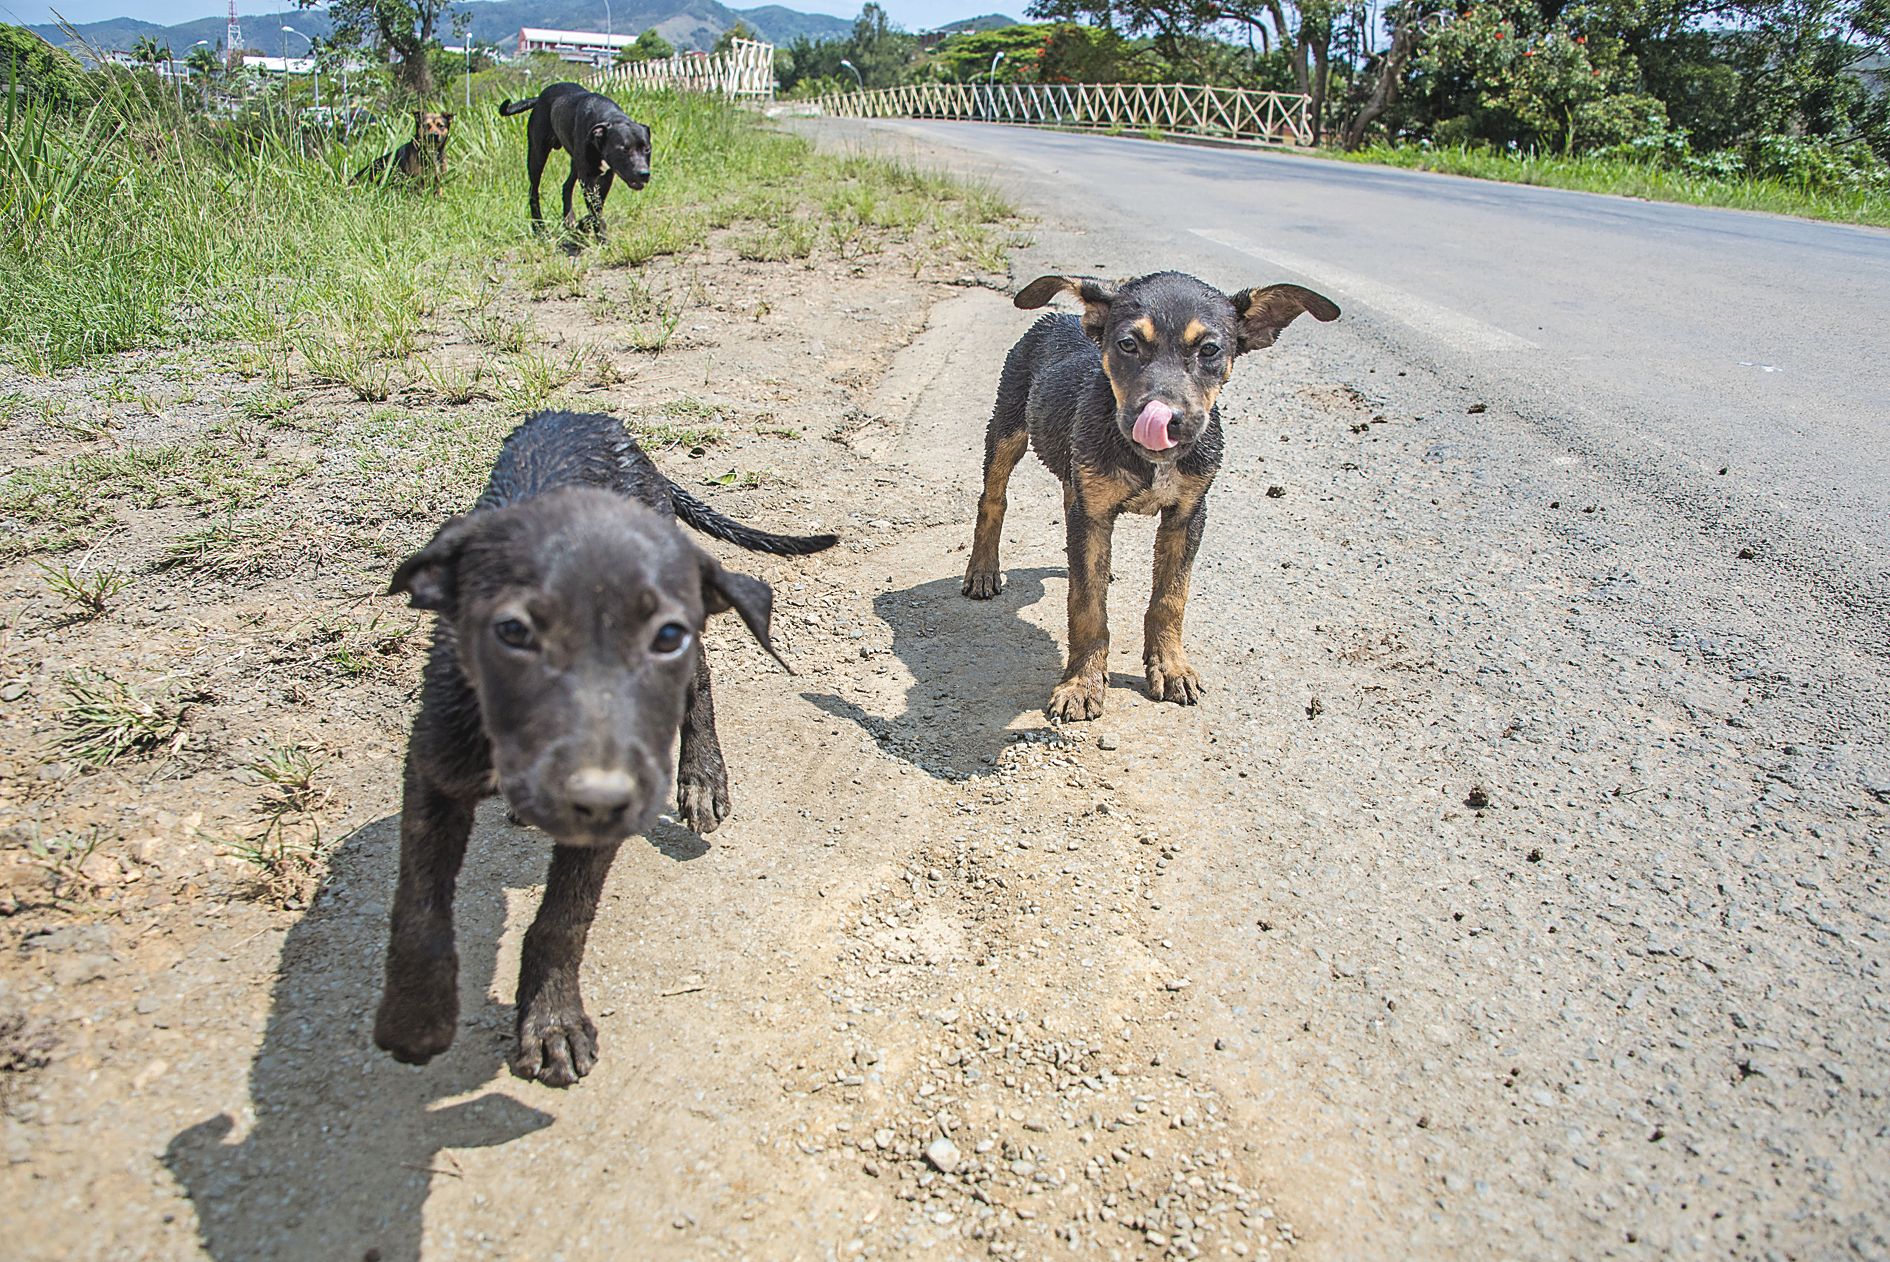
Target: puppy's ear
(597, 132)
(749, 597)
(1095, 295)
(447, 119)
(1264, 312)
(429, 577)
(419, 121)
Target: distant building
(593, 48)
(278, 65)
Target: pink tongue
(1151, 427)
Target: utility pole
(462, 27)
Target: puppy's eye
(671, 638)
(514, 634)
(1209, 350)
(1127, 346)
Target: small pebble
(943, 1155)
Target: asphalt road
(1476, 536)
(1673, 340)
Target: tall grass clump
(126, 223)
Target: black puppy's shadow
(346, 1142)
(976, 666)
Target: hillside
(685, 23)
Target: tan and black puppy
(422, 158)
(1119, 403)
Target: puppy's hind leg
(701, 775)
(557, 1043)
(1005, 441)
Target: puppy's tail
(711, 523)
(517, 107)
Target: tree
(404, 27)
(149, 52)
(741, 30)
(35, 69)
(205, 67)
(878, 49)
(649, 46)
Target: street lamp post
(314, 70)
(462, 27)
(606, 17)
(990, 74)
(856, 73)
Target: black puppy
(1120, 405)
(565, 659)
(602, 140)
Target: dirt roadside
(907, 998)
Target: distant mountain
(983, 22)
(684, 23)
(781, 25)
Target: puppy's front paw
(1170, 678)
(702, 799)
(1077, 700)
(983, 584)
(419, 1011)
(557, 1044)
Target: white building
(593, 48)
(278, 65)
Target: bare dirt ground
(1253, 979)
(927, 919)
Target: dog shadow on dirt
(345, 1143)
(976, 666)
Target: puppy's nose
(598, 795)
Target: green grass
(1626, 178)
(105, 719)
(120, 229)
(230, 549)
(70, 503)
(89, 594)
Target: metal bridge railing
(745, 70)
(1174, 108)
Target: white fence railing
(1171, 108)
(744, 70)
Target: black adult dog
(565, 660)
(1119, 402)
(602, 140)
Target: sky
(913, 14)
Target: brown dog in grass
(1119, 403)
(422, 158)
